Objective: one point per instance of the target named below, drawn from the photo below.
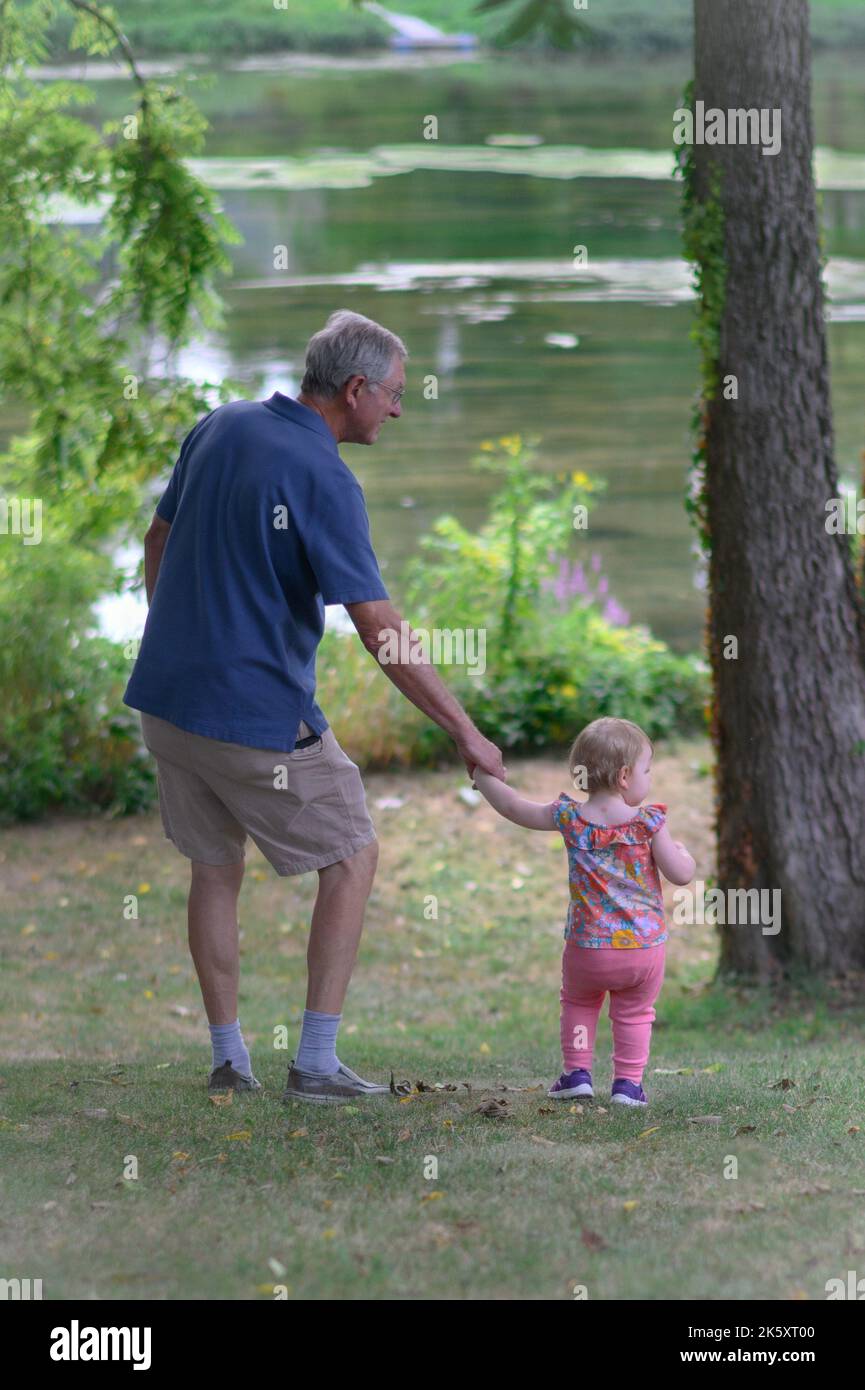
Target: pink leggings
(633, 978)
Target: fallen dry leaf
(439, 1233)
(467, 1226)
(495, 1108)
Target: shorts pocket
(308, 754)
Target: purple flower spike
(615, 614)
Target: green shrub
(66, 738)
(559, 650)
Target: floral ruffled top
(616, 897)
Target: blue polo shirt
(267, 526)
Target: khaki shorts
(305, 808)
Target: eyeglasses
(396, 396)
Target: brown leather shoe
(343, 1084)
(225, 1078)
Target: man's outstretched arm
(421, 684)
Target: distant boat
(411, 33)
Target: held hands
(478, 753)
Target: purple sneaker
(626, 1092)
(572, 1083)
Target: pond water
(464, 246)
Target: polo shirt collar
(299, 414)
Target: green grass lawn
(106, 1061)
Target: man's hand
(477, 752)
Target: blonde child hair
(603, 748)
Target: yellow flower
(624, 938)
(512, 443)
(487, 445)
(581, 479)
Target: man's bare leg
(337, 923)
(213, 936)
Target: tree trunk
(789, 710)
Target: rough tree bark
(789, 712)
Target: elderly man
(261, 525)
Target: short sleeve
(166, 507)
(654, 817)
(339, 549)
(564, 818)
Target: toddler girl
(615, 931)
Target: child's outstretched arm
(671, 857)
(534, 815)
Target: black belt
(305, 742)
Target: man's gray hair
(348, 345)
